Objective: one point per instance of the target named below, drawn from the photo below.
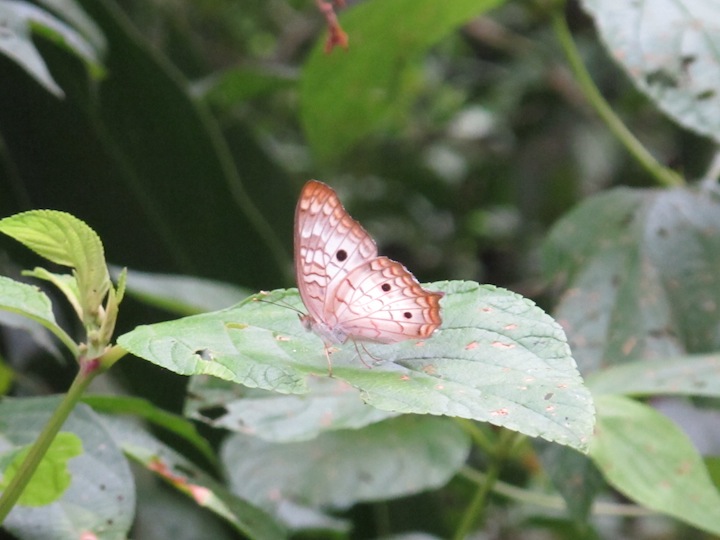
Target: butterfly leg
(360, 356)
(326, 348)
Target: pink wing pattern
(348, 290)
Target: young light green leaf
(641, 267)
(497, 358)
(52, 477)
(64, 239)
(31, 302)
(696, 375)
(373, 75)
(189, 479)
(330, 404)
(397, 457)
(27, 300)
(66, 283)
(648, 458)
(100, 499)
(670, 51)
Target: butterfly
(350, 292)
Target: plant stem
(662, 175)
(553, 501)
(478, 436)
(476, 509)
(11, 495)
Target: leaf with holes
(84, 483)
(496, 358)
(641, 272)
(670, 50)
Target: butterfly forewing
(329, 244)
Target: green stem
(476, 509)
(550, 501)
(477, 434)
(11, 495)
(112, 355)
(663, 175)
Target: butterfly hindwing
(382, 301)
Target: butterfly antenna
(279, 303)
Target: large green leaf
(497, 358)
(649, 459)
(670, 50)
(641, 272)
(100, 499)
(348, 94)
(330, 404)
(697, 375)
(397, 457)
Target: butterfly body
(350, 292)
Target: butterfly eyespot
(407, 315)
(341, 255)
(385, 287)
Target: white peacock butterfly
(350, 292)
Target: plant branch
(476, 509)
(662, 175)
(28, 467)
(553, 502)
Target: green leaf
(189, 479)
(329, 405)
(20, 20)
(101, 497)
(146, 410)
(670, 51)
(688, 375)
(27, 300)
(31, 302)
(184, 295)
(52, 477)
(497, 358)
(66, 283)
(390, 459)
(64, 239)
(348, 94)
(649, 459)
(641, 274)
